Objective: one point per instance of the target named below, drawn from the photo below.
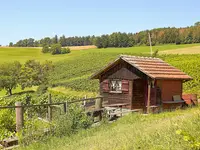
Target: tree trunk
(9, 91)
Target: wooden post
(65, 107)
(98, 103)
(19, 116)
(149, 96)
(49, 108)
(98, 106)
(131, 93)
(84, 102)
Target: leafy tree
(117, 39)
(62, 40)
(11, 44)
(45, 49)
(9, 75)
(34, 74)
(55, 49)
(55, 40)
(98, 42)
(45, 41)
(36, 44)
(197, 23)
(30, 42)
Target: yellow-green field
(186, 50)
(8, 54)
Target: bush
(56, 49)
(45, 49)
(62, 125)
(75, 119)
(65, 50)
(7, 123)
(42, 89)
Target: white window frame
(115, 86)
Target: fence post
(49, 108)
(19, 116)
(28, 99)
(65, 105)
(84, 102)
(98, 103)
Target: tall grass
(156, 132)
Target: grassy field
(186, 50)
(73, 70)
(75, 74)
(71, 77)
(152, 132)
(22, 54)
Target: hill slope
(72, 70)
(23, 53)
(156, 132)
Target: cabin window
(115, 85)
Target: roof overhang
(98, 74)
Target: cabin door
(138, 100)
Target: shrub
(45, 49)
(42, 89)
(62, 125)
(65, 50)
(7, 120)
(71, 122)
(7, 123)
(56, 49)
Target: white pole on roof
(150, 44)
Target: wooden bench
(95, 113)
(114, 114)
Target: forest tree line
(168, 35)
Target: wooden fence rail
(19, 108)
(49, 104)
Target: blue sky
(21, 19)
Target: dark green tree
(30, 42)
(34, 74)
(62, 40)
(197, 23)
(98, 42)
(11, 44)
(46, 41)
(9, 76)
(55, 40)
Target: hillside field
(133, 132)
(72, 71)
(186, 50)
(71, 77)
(22, 53)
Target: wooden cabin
(143, 82)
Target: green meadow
(22, 54)
(134, 132)
(71, 77)
(72, 71)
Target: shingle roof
(152, 67)
(155, 67)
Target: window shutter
(125, 86)
(105, 86)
